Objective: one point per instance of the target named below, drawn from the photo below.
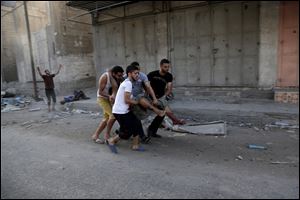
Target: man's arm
(102, 84)
(169, 88)
(114, 86)
(60, 66)
(151, 92)
(128, 100)
(38, 68)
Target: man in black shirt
(161, 82)
(49, 85)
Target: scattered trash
(255, 128)
(239, 158)
(280, 162)
(79, 111)
(9, 108)
(282, 125)
(34, 109)
(177, 135)
(290, 131)
(26, 123)
(29, 126)
(254, 146)
(45, 121)
(77, 95)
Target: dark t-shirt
(159, 82)
(48, 80)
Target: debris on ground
(282, 125)
(34, 109)
(13, 104)
(255, 128)
(254, 146)
(239, 157)
(282, 162)
(9, 108)
(77, 95)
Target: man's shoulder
(153, 72)
(143, 76)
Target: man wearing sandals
(105, 97)
(129, 123)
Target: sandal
(140, 148)
(98, 141)
(113, 148)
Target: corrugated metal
(92, 5)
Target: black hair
(131, 68)
(117, 69)
(135, 64)
(163, 61)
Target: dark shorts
(129, 125)
(50, 93)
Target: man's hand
(111, 99)
(155, 102)
(60, 66)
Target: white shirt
(120, 107)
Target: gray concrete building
(55, 41)
(231, 45)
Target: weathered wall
(208, 45)
(268, 63)
(224, 44)
(8, 58)
(55, 41)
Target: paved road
(57, 160)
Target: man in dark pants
(49, 86)
(161, 82)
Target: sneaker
(156, 135)
(145, 140)
(151, 134)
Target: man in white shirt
(129, 123)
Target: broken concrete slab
(209, 128)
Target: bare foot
(179, 122)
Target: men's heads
(47, 72)
(165, 65)
(136, 64)
(117, 72)
(133, 72)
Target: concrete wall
(223, 44)
(8, 58)
(269, 23)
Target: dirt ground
(52, 156)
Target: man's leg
(104, 122)
(53, 100)
(152, 129)
(146, 104)
(110, 124)
(48, 99)
(100, 128)
(174, 119)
